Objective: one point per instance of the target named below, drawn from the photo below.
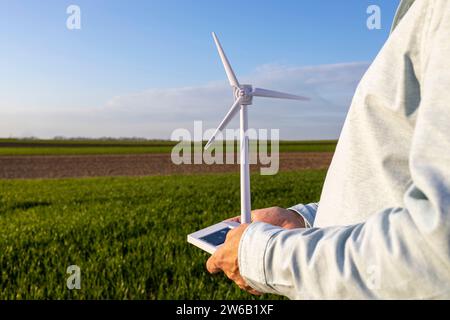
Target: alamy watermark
(263, 146)
(74, 279)
(73, 21)
(374, 20)
(373, 273)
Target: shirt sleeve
(307, 212)
(401, 252)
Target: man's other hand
(276, 216)
(226, 259)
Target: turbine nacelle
(244, 92)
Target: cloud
(155, 113)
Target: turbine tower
(243, 97)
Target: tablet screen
(216, 238)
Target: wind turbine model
(210, 238)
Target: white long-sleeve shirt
(382, 228)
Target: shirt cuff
(308, 213)
(251, 255)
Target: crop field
(127, 234)
(121, 211)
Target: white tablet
(211, 238)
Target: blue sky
(129, 53)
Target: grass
(23, 147)
(128, 235)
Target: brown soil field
(33, 167)
(42, 144)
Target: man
(382, 228)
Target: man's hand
(276, 216)
(226, 259)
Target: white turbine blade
(230, 73)
(258, 92)
(233, 110)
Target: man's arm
(399, 252)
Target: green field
(9, 147)
(128, 235)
